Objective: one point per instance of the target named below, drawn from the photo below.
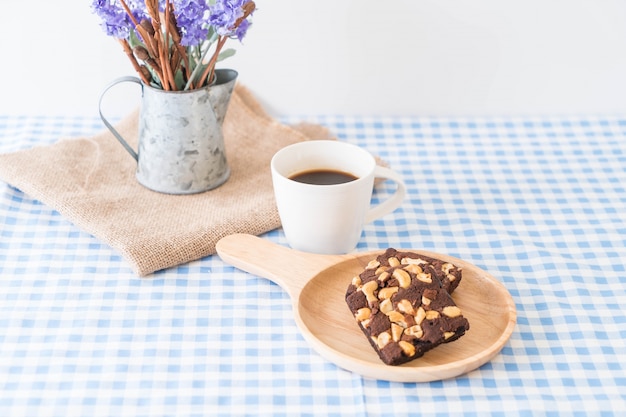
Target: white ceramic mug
(329, 219)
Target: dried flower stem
(153, 9)
(147, 38)
(142, 31)
(175, 60)
(196, 71)
(147, 32)
(208, 72)
(133, 60)
(160, 52)
(179, 54)
(166, 48)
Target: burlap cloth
(91, 181)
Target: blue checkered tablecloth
(540, 203)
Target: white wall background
(363, 57)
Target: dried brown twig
(133, 60)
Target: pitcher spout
(221, 91)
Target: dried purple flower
(242, 29)
(194, 30)
(114, 19)
(225, 14)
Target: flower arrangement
(175, 44)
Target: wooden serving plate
(317, 285)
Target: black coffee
(323, 177)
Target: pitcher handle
(115, 133)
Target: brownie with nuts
(403, 310)
(449, 274)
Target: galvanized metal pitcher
(181, 146)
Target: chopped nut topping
(372, 264)
(407, 348)
(386, 306)
(396, 332)
(384, 276)
(445, 268)
(395, 317)
(363, 314)
(413, 261)
(414, 268)
(404, 306)
(393, 261)
(420, 315)
(451, 311)
(368, 289)
(403, 277)
(424, 278)
(387, 293)
(383, 339)
(415, 331)
(432, 314)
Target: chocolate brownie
(403, 310)
(449, 274)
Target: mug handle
(115, 133)
(392, 202)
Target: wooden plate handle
(286, 267)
